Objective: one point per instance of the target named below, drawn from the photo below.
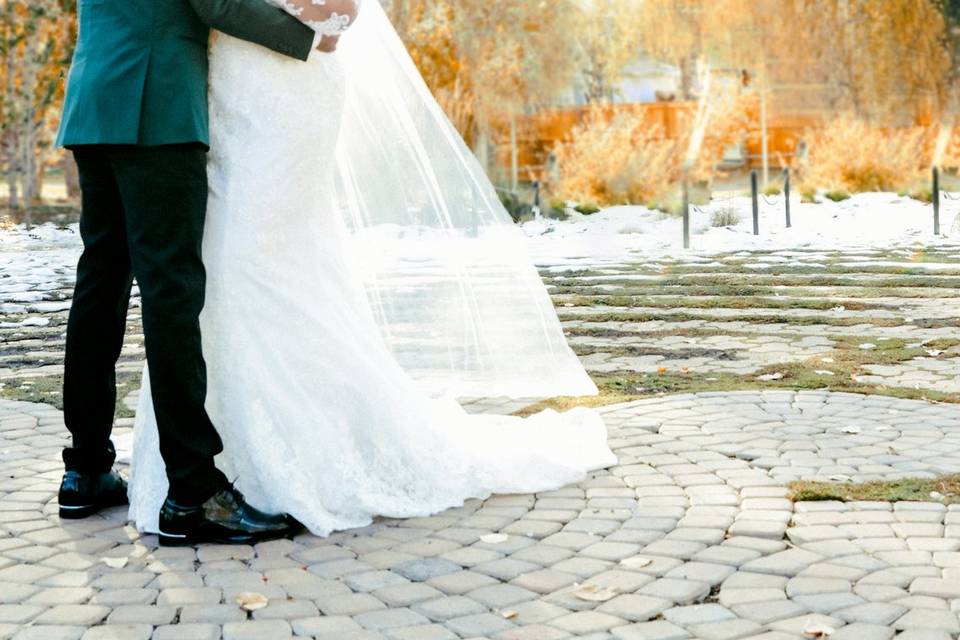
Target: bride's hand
(328, 44)
(319, 12)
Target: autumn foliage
(36, 40)
(876, 70)
(850, 155)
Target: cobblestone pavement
(690, 535)
(743, 312)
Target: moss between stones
(921, 323)
(49, 390)
(720, 302)
(765, 290)
(846, 363)
(906, 281)
(945, 489)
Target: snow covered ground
(29, 259)
(631, 233)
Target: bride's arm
(329, 18)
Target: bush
(808, 194)
(923, 194)
(586, 209)
(851, 156)
(837, 195)
(517, 208)
(725, 217)
(618, 157)
(615, 161)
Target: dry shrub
(611, 161)
(725, 217)
(617, 157)
(849, 155)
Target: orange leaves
(851, 155)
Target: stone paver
(633, 579)
(690, 535)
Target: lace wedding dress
(317, 414)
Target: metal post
(686, 213)
(786, 195)
(935, 196)
(536, 199)
(754, 188)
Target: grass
(947, 488)
(837, 195)
(49, 390)
(719, 302)
(854, 285)
(756, 269)
(846, 362)
(840, 295)
(60, 215)
(831, 321)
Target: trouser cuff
(90, 459)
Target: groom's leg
(98, 317)
(164, 192)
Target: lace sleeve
(326, 17)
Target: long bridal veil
(446, 271)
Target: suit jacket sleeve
(258, 22)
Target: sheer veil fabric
(361, 273)
(446, 271)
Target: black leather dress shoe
(82, 495)
(226, 518)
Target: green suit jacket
(139, 73)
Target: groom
(136, 120)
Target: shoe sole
(79, 512)
(173, 540)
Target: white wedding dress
(318, 416)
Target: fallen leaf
(636, 562)
(818, 630)
(494, 538)
(252, 601)
(509, 615)
(115, 563)
(593, 593)
(662, 370)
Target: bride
(361, 275)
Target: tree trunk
(31, 193)
(514, 155)
(13, 187)
(483, 149)
(71, 176)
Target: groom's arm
(258, 22)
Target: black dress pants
(143, 216)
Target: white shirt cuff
(316, 40)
